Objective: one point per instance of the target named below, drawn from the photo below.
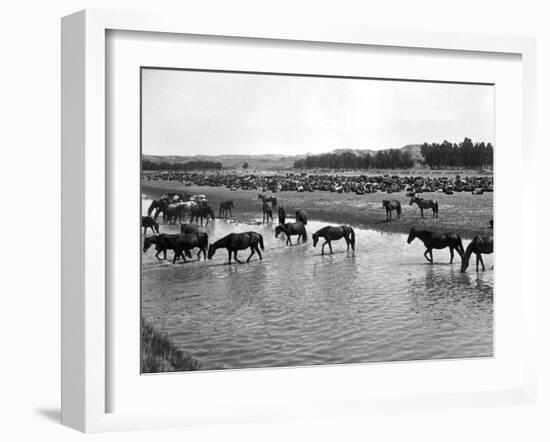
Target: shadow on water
(295, 307)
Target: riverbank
(462, 213)
(158, 354)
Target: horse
(187, 242)
(390, 205)
(301, 217)
(238, 241)
(290, 229)
(189, 228)
(163, 242)
(437, 241)
(159, 206)
(479, 245)
(425, 204)
(267, 213)
(282, 215)
(202, 212)
(149, 223)
(333, 233)
(268, 199)
(224, 207)
(176, 211)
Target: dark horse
(202, 212)
(267, 213)
(159, 206)
(149, 223)
(479, 245)
(333, 233)
(425, 204)
(224, 207)
(238, 241)
(162, 242)
(390, 205)
(189, 228)
(268, 199)
(437, 241)
(282, 215)
(290, 229)
(185, 243)
(301, 216)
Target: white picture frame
(85, 197)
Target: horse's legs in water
(426, 255)
(288, 239)
(477, 262)
(258, 251)
(229, 253)
(235, 256)
(158, 253)
(323, 248)
(330, 247)
(251, 248)
(421, 212)
(481, 261)
(452, 253)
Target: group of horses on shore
(391, 205)
(191, 236)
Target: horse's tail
(261, 239)
(436, 207)
(460, 248)
(305, 234)
(398, 209)
(466, 257)
(352, 239)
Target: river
(383, 302)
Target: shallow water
(383, 302)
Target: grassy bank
(158, 354)
(462, 213)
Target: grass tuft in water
(158, 354)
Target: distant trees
(245, 165)
(383, 159)
(190, 165)
(463, 155)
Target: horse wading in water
(333, 233)
(238, 241)
(425, 204)
(185, 243)
(290, 229)
(479, 245)
(437, 241)
(226, 206)
(267, 213)
(162, 242)
(391, 205)
(202, 212)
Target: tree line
(443, 155)
(190, 165)
(464, 155)
(383, 159)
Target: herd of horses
(191, 236)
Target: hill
(266, 161)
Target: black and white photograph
(300, 220)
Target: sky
(213, 113)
